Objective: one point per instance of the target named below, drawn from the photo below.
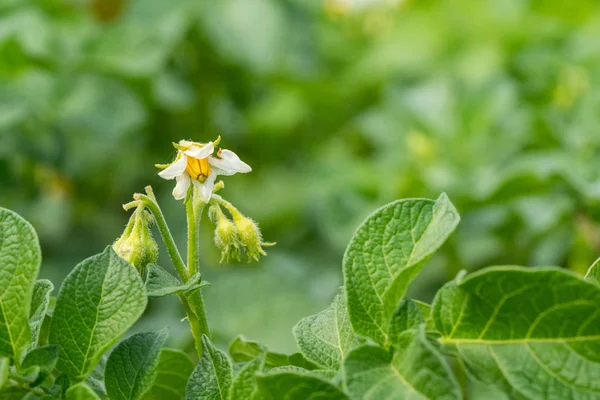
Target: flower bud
(247, 234)
(136, 244)
(250, 236)
(226, 235)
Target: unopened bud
(226, 235)
(136, 244)
(250, 236)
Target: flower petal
(200, 152)
(205, 189)
(174, 169)
(183, 184)
(229, 163)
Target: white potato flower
(195, 164)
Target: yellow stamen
(198, 169)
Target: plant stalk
(196, 302)
(165, 233)
(193, 304)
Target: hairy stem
(196, 326)
(196, 302)
(193, 303)
(165, 233)
(235, 213)
(193, 244)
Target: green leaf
(416, 370)
(212, 378)
(44, 333)
(96, 378)
(326, 374)
(20, 259)
(161, 283)
(173, 371)
(298, 360)
(426, 310)
(386, 253)
(132, 365)
(326, 337)
(33, 396)
(296, 386)
(99, 300)
(43, 359)
(4, 371)
(27, 376)
(593, 273)
(244, 384)
(424, 307)
(244, 350)
(407, 316)
(13, 393)
(39, 306)
(512, 326)
(81, 391)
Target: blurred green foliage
(340, 106)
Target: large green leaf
(81, 391)
(244, 350)
(39, 306)
(593, 273)
(20, 259)
(386, 253)
(415, 371)
(326, 337)
(173, 371)
(244, 385)
(533, 331)
(296, 386)
(132, 365)
(213, 376)
(99, 300)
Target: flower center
(198, 169)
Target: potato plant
(524, 333)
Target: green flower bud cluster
(236, 236)
(226, 235)
(136, 245)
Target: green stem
(195, 323)
(193, 243)
(193, 304)
(198, 206)
(196, 302)
(165, 233)
(235, 213)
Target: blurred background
(340, 106)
